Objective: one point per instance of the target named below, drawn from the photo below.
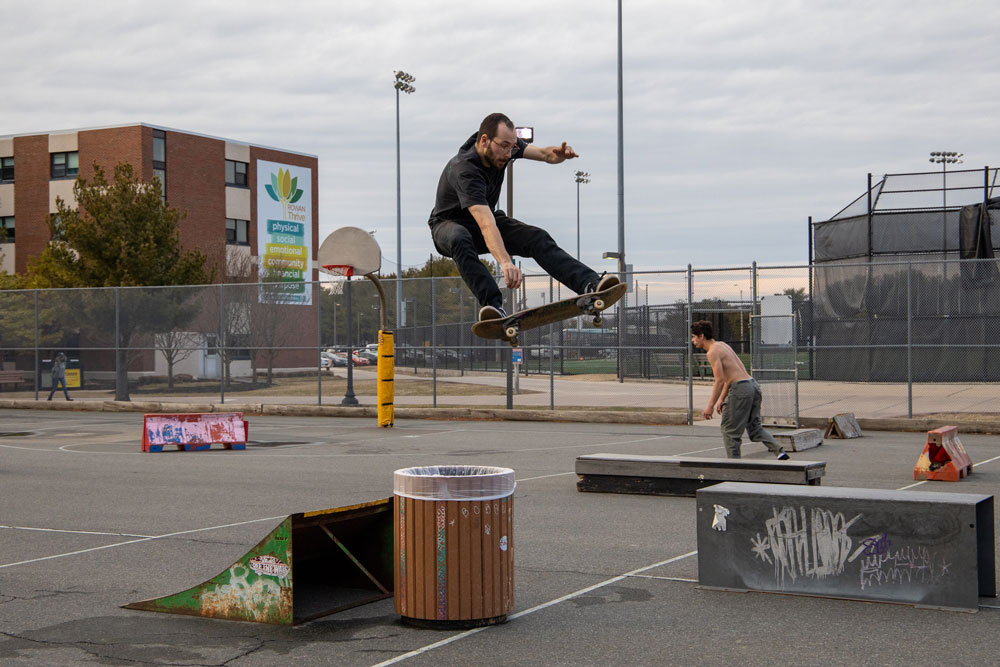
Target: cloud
(741, 118)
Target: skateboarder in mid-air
(465, 223)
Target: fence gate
(773, 356)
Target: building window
(6, 169)
(236, 173)
(237, 232)
(160, 161)
(162, 175)
(65, 165)
(7, 229)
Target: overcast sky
(741, 118)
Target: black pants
(465, 243)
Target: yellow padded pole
(386, 374)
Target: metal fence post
(319, 343)
(118, 344)
(552, 359)
(434, 329)
(220, 345)
(37, 375)
(909, 340)
(688, 348)
(508, 357)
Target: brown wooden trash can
(453, 545)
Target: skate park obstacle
(194, 431)
(684, 475)
(799, 439)
(944, 458)
(310, 565)
(843, 426)
(915, 547)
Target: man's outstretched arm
(494, 242)
(550, 154)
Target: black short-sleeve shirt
(466, 182)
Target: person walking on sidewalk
(59, 375)
(735, 394)
(465, 223)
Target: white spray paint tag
(719, 522)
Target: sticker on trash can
(719, 522)
(503, 543)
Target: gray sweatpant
(742, 413)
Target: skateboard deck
(590, 303)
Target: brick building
(218, 185)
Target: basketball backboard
(350, 246)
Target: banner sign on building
(284, 232)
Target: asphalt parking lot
(89, 523)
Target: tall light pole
(581, 177)
(402, 83)
(944, 158)
(621, 158)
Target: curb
(457, 414)
(454, 414)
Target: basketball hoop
(339, 269)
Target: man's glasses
(505, 148)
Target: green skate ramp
(312, 564)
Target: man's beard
(499, 163)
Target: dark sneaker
(606, 281)
(491, 313)
(782, 456)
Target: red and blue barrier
(195, 432)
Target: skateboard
(508, 328)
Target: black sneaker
(782, 456)
(606, 281)
(491, 313)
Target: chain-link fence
(877, 338)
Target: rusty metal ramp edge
(312, 564)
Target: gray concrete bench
(684, 475)
(925, 548)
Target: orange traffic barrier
(944, 458)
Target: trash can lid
(454, 482)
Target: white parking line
(76, 532)
(544, 605)
(144, 539)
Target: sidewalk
(817, 399)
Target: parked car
(372, 357)
(336, 358)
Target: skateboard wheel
(515, 341)
(598, 321)
(511, 332)
(599, 304)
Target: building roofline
(158, 127)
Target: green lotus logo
(283, 188)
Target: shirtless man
(741, 412)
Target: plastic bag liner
(454, 483)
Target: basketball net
(339, 269)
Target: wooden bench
(194, 431)
(684, 475)
(11, 377)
